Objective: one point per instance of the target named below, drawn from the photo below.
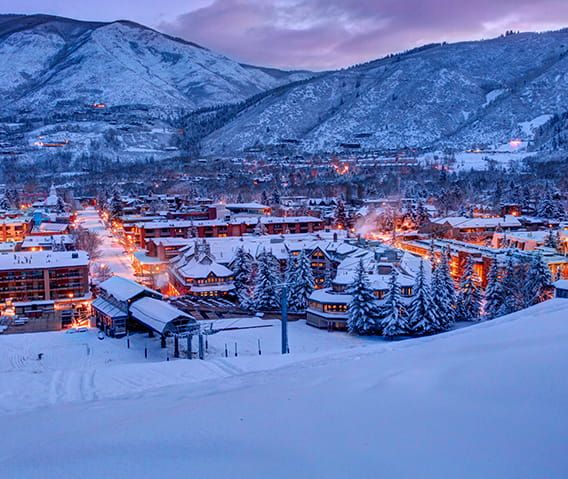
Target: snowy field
(80, 367)
(487, 401)
(113, 253)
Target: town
(283, 239)
(170, 264)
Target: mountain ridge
(127, 90)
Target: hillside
(483, 401)
(122, 90)
(461, 95)
(62, 79)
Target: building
(15, 229)
(204, 267)
(201, 275)
(123, 305)
(561, 288)
(329, 307)
(42, 291)
(481, 256)
(472, 229)
(238, 226)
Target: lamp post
(284, 317)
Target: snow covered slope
(51, 64)
(484, 401)
(461, 95)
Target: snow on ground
(113, 253)
(484, 401)
(79, 367)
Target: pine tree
(242, 269)
(363, 310)
(301, 283)
(260, 228)
(60, 205)
(494, 293)
(422, 314)
(539, 281)
(393, 319)
(511, 284)
(444, 292)
(266, 292)
(551, 239)
(115, 206)
(421, 216)
(340, 216)
(469, 296)
(4, 203)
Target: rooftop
(43, 260)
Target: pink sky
(315, 34)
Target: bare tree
(88, 241)
(101, 272)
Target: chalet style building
(199, 274)
(205, 267)
(329, 307)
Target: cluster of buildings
(44, 282)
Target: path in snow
(113, 253)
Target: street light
(284, 318)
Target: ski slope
(483, 401)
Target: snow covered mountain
(460, 95)
(125, 91)
(51, 63)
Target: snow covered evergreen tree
(511, 287)
(421, 216)
(242, 268)
(494, 292)
(551, 239)
(4, 203)
(539, 281)
(393, 318)
(266, 290)
(260, 228)
(423, 316)
(444, 292)
(469, 296)
(301, 283)
(340, 216)
(549, 207)
(363, 311)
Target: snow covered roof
(203, 268)
(34, 241)
(43, 259)
(124, 289)
(325, 296)
(51, 227)
(462, 222)
(247, 206)
(108, 309)
(158, 314)
(248, 220)
(561, 284)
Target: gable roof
(124, 289)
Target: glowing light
(515, 143)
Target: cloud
(323, 34)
